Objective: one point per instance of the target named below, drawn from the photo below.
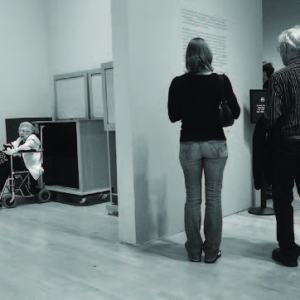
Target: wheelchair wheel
(9, 201)
(44, 195)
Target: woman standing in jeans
(194, 99)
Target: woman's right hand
(10, 151)
(7, 146)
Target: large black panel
(60, 154)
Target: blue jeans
(210, 157)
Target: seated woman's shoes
(213, 260)
(284, 259)
(194, 257)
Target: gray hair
(291, 38)
(27, 125)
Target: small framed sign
(257, 104)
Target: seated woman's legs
(33, 185)
(27, 188)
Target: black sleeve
(174, 106)
(258, 148)
(231, 98)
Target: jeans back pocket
(218, 149)
(188, 151)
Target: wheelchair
(18, 185)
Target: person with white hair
(283, 117)
(27, 141)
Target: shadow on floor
(260, 250)
(169, 249)
(236, 247)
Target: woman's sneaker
(213, 260)
(194, 257)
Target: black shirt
(194, 100)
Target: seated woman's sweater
(32, 160)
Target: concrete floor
(63, 252)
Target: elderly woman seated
(27, 146)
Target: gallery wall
(148, 49)
(42, 38)
(79, 34)
(24, 76)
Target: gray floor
(61, 252)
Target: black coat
(261, 155)
(263, 143)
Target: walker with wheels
(18, 186)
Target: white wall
(24, 77)
(124, 124)
(79, 34)
(147, 55)
(277, 16)
(40, 38)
